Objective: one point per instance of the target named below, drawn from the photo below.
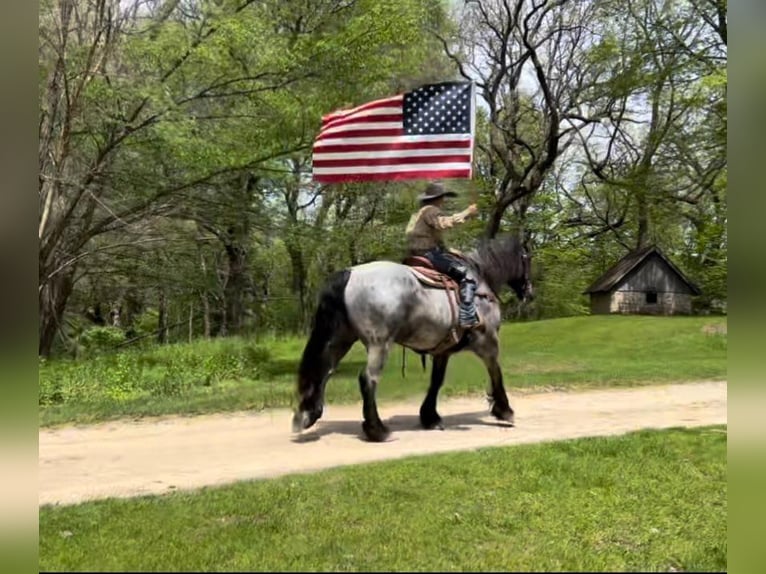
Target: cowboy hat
(435, 190)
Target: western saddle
(426, 274)
(424, 271)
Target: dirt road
(132, 458)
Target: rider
(424, 238)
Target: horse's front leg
(501, 408)
(488, 351)
(429, 418)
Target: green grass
(646, 501)
(234, 374)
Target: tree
(655, 170)
(527, 59)
(150, 110)
(111, 102)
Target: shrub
(171, 370)
(99, 339)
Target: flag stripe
(360, 126)
(370, 161)
(389, 140)
(387, 168)
(378, 118)
(392, 153)
(392, 175)
(365, 133)
(376, 104)
(390, 114)
(412, 146)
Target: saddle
(426, 274)
(424, 271)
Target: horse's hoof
(298, 419)
(434, 426)
(376, 432)
(303, 420)
(503, 414)
(431, 423)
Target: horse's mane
(498, 260)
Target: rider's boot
(469, 318)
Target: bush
(171, 370)
(99, 339)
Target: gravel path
(122, 459)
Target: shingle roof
(620, 270)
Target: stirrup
(474, 322)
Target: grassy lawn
(646, 501)
(234, 374)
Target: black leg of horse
(501, 408)
(373, 427)
(337, 350)
(311, 406)
(429, 418)
(487, 348)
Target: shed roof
(617, 272)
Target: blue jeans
(445, 262)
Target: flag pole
(474, 193)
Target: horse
(384, 302)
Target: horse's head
(521, 284)
(505, 260)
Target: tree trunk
(191, 321)
(520, 211)
(495, 218)
(642, 234)
(52, 301)
(204, 294)
(162, 332)
(132, 306)
(205, 315)
(236, 282)
(223, 326)
(298, 285)
(115, 316)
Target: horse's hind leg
(311, 405)
(336, 351)
(373, 427)
(429, 418)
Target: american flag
(423, 134)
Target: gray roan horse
(382, 303)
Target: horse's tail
(330, 322)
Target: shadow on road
(399, 423)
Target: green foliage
(556, 294)
(158, 372)
(146, 323)
(185, 102)
(99, 339)
(646, 501)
